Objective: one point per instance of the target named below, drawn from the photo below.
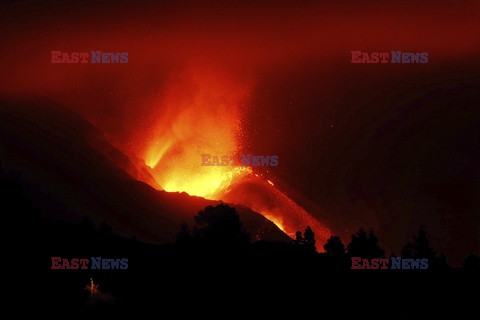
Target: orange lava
(206, 121)
(203, 115)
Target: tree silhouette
(306, 241)
(309, 238)
(334, 246)
(299, 238)
(365, 245)
(420, 248)
(221, 226)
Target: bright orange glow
(206, 182)
(277, 220)
(156, 152)
(204, 120)
(277, 207)
(203, 116)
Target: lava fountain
(202, 115)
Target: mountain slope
(69, 171)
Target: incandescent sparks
(208, 121)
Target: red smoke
(225, 43)
(199, 64)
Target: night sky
(385, 146)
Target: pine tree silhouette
(420, 248)
(220, 226)
(307, 241)
(365, 245)
(299, 238)
(309, 238)
(334, 246)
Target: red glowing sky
(285, 64)
(238, 43)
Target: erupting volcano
(116, 145)
(204, 115)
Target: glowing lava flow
(209, 121)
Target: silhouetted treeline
(215, 251)
(219, 228)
